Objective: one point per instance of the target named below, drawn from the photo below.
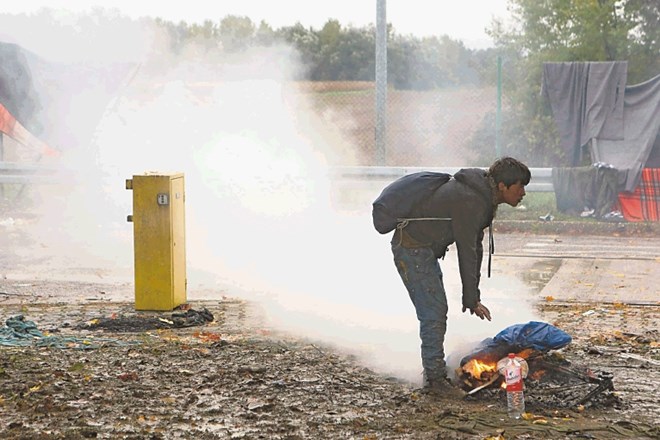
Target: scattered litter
(638, 358)
(614, 216)
(126, 377)
(552, 380)
(547, 218)
(14, 294)
(7, 222)
(143, 322)
(19, 332)
(587, 213)
(589, 313)
(465, 422)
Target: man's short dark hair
(509, 171)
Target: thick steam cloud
(262, 212)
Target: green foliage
(533, 206)
(429, 63)
(338, 53)
(236, 33)
(558, 31)
(539, 204)
(540, 31)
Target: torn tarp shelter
(592, 105)
(641, 117)
(10, 126)
(586, 101)
(595, 188)
(59, 103)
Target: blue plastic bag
(539, 336)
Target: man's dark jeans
(420, 271)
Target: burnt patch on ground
(552, 383)
(141, 322)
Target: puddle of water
(541, 273)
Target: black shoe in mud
(442, 388)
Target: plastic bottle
(514, 370)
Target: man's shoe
(443, 388)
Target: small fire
(476, 368)
(481, 372)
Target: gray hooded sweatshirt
(468, 200)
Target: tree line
(551, 30)
(566, 31)
(344, 53)
(537, 32)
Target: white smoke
(261, 212)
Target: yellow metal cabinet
(159, 240)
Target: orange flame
(476, 368)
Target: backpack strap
(491, 245)
(403, 222)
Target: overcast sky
(460, 19)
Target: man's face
(513, 194)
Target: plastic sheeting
(536, 335)
(592, 105)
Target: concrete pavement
(580, 268)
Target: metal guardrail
(20, 173)
(24, 173)
(541, 177)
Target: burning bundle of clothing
(552, 381)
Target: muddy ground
(103, 370)
(111, 372)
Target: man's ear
(501, 186)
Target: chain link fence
(441, 127)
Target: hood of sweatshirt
(476, 179)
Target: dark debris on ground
(141, 322)
(233, 378)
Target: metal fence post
(498, 114)
(381, 82)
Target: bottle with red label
(514, 369)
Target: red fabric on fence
(7, 121)
(12, 128)
(643, 204)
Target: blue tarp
(536, 335)
(540, 336)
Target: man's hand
(480, 310)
